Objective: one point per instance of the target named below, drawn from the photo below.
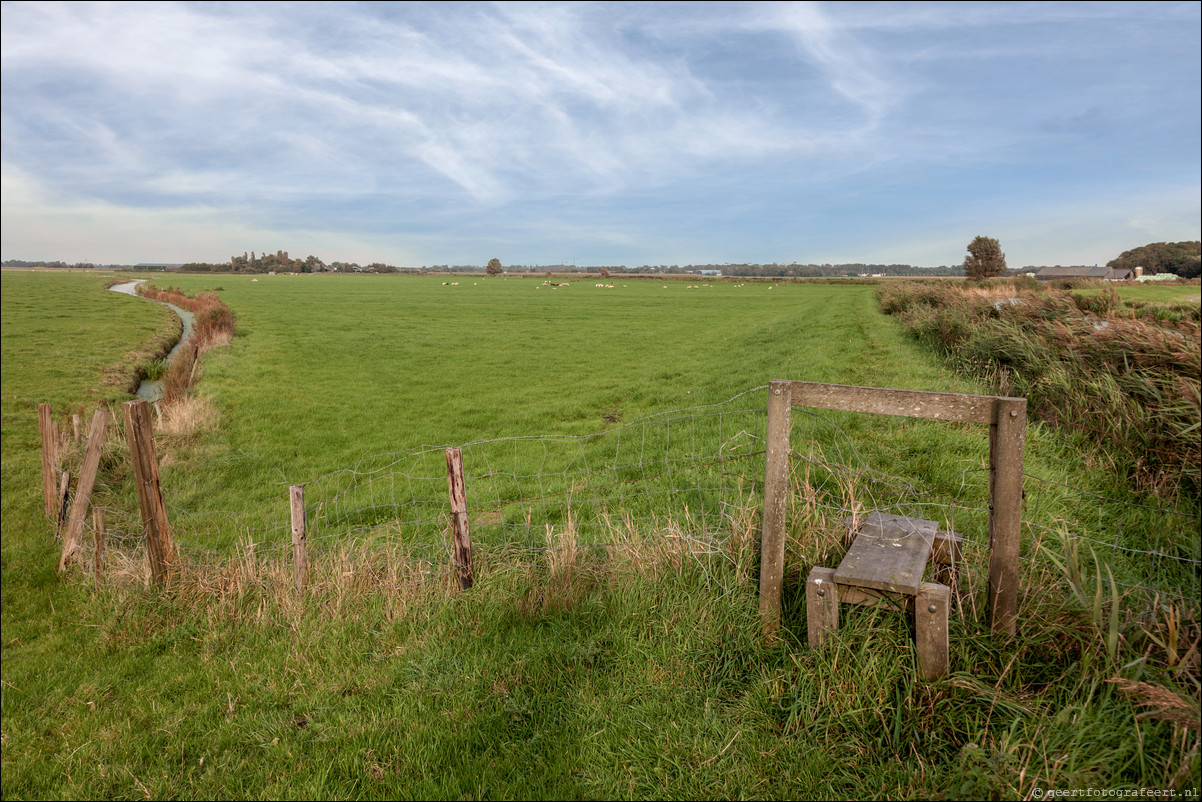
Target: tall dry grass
(1125, 376)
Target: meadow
(631, 674)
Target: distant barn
(1059, 273)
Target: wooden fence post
(98, 534)
(463, 540)
(159, 548)
(296, 498)
(64, 487)
(1007, 441)
(76, 426)
(83, 491)
(49, 457)
(776, 499)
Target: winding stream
(153, 390)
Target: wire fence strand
(689, 480)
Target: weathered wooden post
(76, 426)
(296, 499)
(98, 534)
(49, 457)
(159, 548)
(776, 499)
(60, 516)
(1007, 441)
(463, 540)
(83, 492)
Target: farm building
(1105, 273)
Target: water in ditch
(150, 390)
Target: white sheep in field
(444, 284)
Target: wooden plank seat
(885, 564)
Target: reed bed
(1124, 375)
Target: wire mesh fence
(689, 479)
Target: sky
(598, 134)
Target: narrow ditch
(152, 389)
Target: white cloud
(72, 231)
(409, 125)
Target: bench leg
(822, 605)
(930, 629)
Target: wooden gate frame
(1007, 420)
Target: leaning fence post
(1007, 439)
(159, 548)
(296, 498)
(463, 540)
(49, 457)
(83, 491)
(776, 497)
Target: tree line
(1183, 259)
(985, 259)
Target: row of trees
(280, 262)
(984, 260)
(1181, 258)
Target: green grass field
(642, 675)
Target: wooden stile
(1006, 418)
(459, 523)
(83, 491)
(296, 499)
(49, 457)
(159, 548)
(889, 554)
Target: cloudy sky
(611, 133)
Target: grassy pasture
(635, 679)
(328, 369)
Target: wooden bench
(885, 564)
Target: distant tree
(494, 267)
(985, 259)
(605, 272)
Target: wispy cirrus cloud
(728, 129)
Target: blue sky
(611, 133)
